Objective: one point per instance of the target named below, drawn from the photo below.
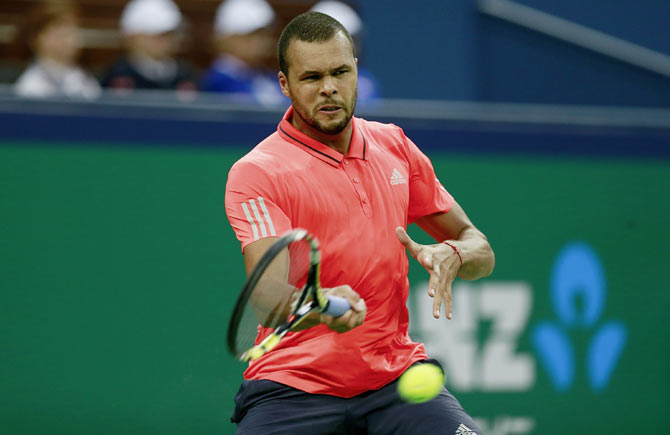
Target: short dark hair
(309, 27)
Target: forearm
(456, 229)
(476, 253)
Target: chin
(335, 127)
(333, 130)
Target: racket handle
(336, 306)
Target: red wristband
(455, 250)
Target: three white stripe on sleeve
(258, 221)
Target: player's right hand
(353, 317)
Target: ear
(283, 83)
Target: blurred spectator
(150, 31)
(51, 34)
(368, 90)
(245, 45)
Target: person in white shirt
(52, 34)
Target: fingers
(437, 303)
(359, 306)
(435, 290)
(345, 291)
(441, 277)
(439, 288)
(345, 322)
(353, 317)
(444, 296)
(357, 317)
(407, 242)
(448, 301)
(416, 250)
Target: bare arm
(272, 297)
(266, 301)
(441, 260)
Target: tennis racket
(280, 292)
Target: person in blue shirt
(246, 46)
(150, 30)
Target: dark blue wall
(448, 50)
(112, 122)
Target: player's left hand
(441, 262)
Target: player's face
(321, 82)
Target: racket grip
(336, 306)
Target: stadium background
(119, 268)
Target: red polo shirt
(352, 204)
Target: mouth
(329, 108)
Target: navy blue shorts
(266, 407)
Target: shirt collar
(357, 148)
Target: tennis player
(356, 185)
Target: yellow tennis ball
(421, 383)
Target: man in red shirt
(356, 185)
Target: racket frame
(301, 308)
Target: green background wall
(119, 271)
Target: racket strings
(277, 294)
(299, 263)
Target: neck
(339, 142)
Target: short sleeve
(426, 194)
(253, 206)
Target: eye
(311, 77)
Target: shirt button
(346, 162)
(365, 200)
(356, 180)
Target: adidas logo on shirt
(464, 430)
(397, 178)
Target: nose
(328, 87)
